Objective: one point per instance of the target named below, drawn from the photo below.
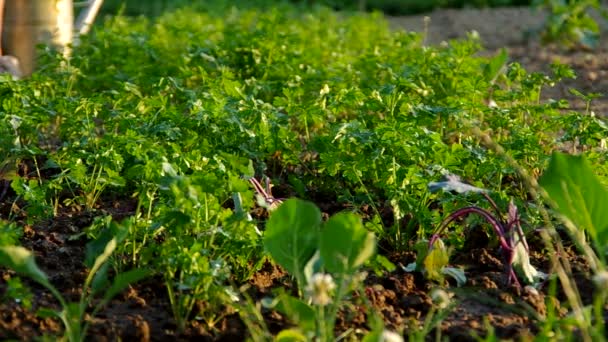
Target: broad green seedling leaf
(345, 243)
(292, 235)
(100, 279)
(578, 195)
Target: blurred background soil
(516, 30)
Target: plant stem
(482, 212)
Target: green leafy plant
(158, 130)
(323, 258)
(72, 315)
(199, 240)
(570, 23)
(513, 245)
(10, 233)
(93, 174)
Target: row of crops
(177, 114)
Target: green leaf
(22, 261)
(292, 234)
(122, 280)
(48, 313)
(385, 263)
(103, 257)
(113, 178)
(71, 315)
(10, 233)
(495, 66)
(578, 195)
(290, 335)
(373, 336)
(300, 313)
(422, 249)
(100, 279)
(96, 247)
(436, 259)
(345, 243)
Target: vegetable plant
(72, 315)
(324, 260)
(570, 23)
(513, 245)
(153, 128)
(199, 239)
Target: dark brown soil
(514, 29)
(403, 300)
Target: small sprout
(391, 336)
(320, 287)
(441, 298)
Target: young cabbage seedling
(513, 245)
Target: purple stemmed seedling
(513, 245)
(264, 194)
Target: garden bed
(145, 129)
